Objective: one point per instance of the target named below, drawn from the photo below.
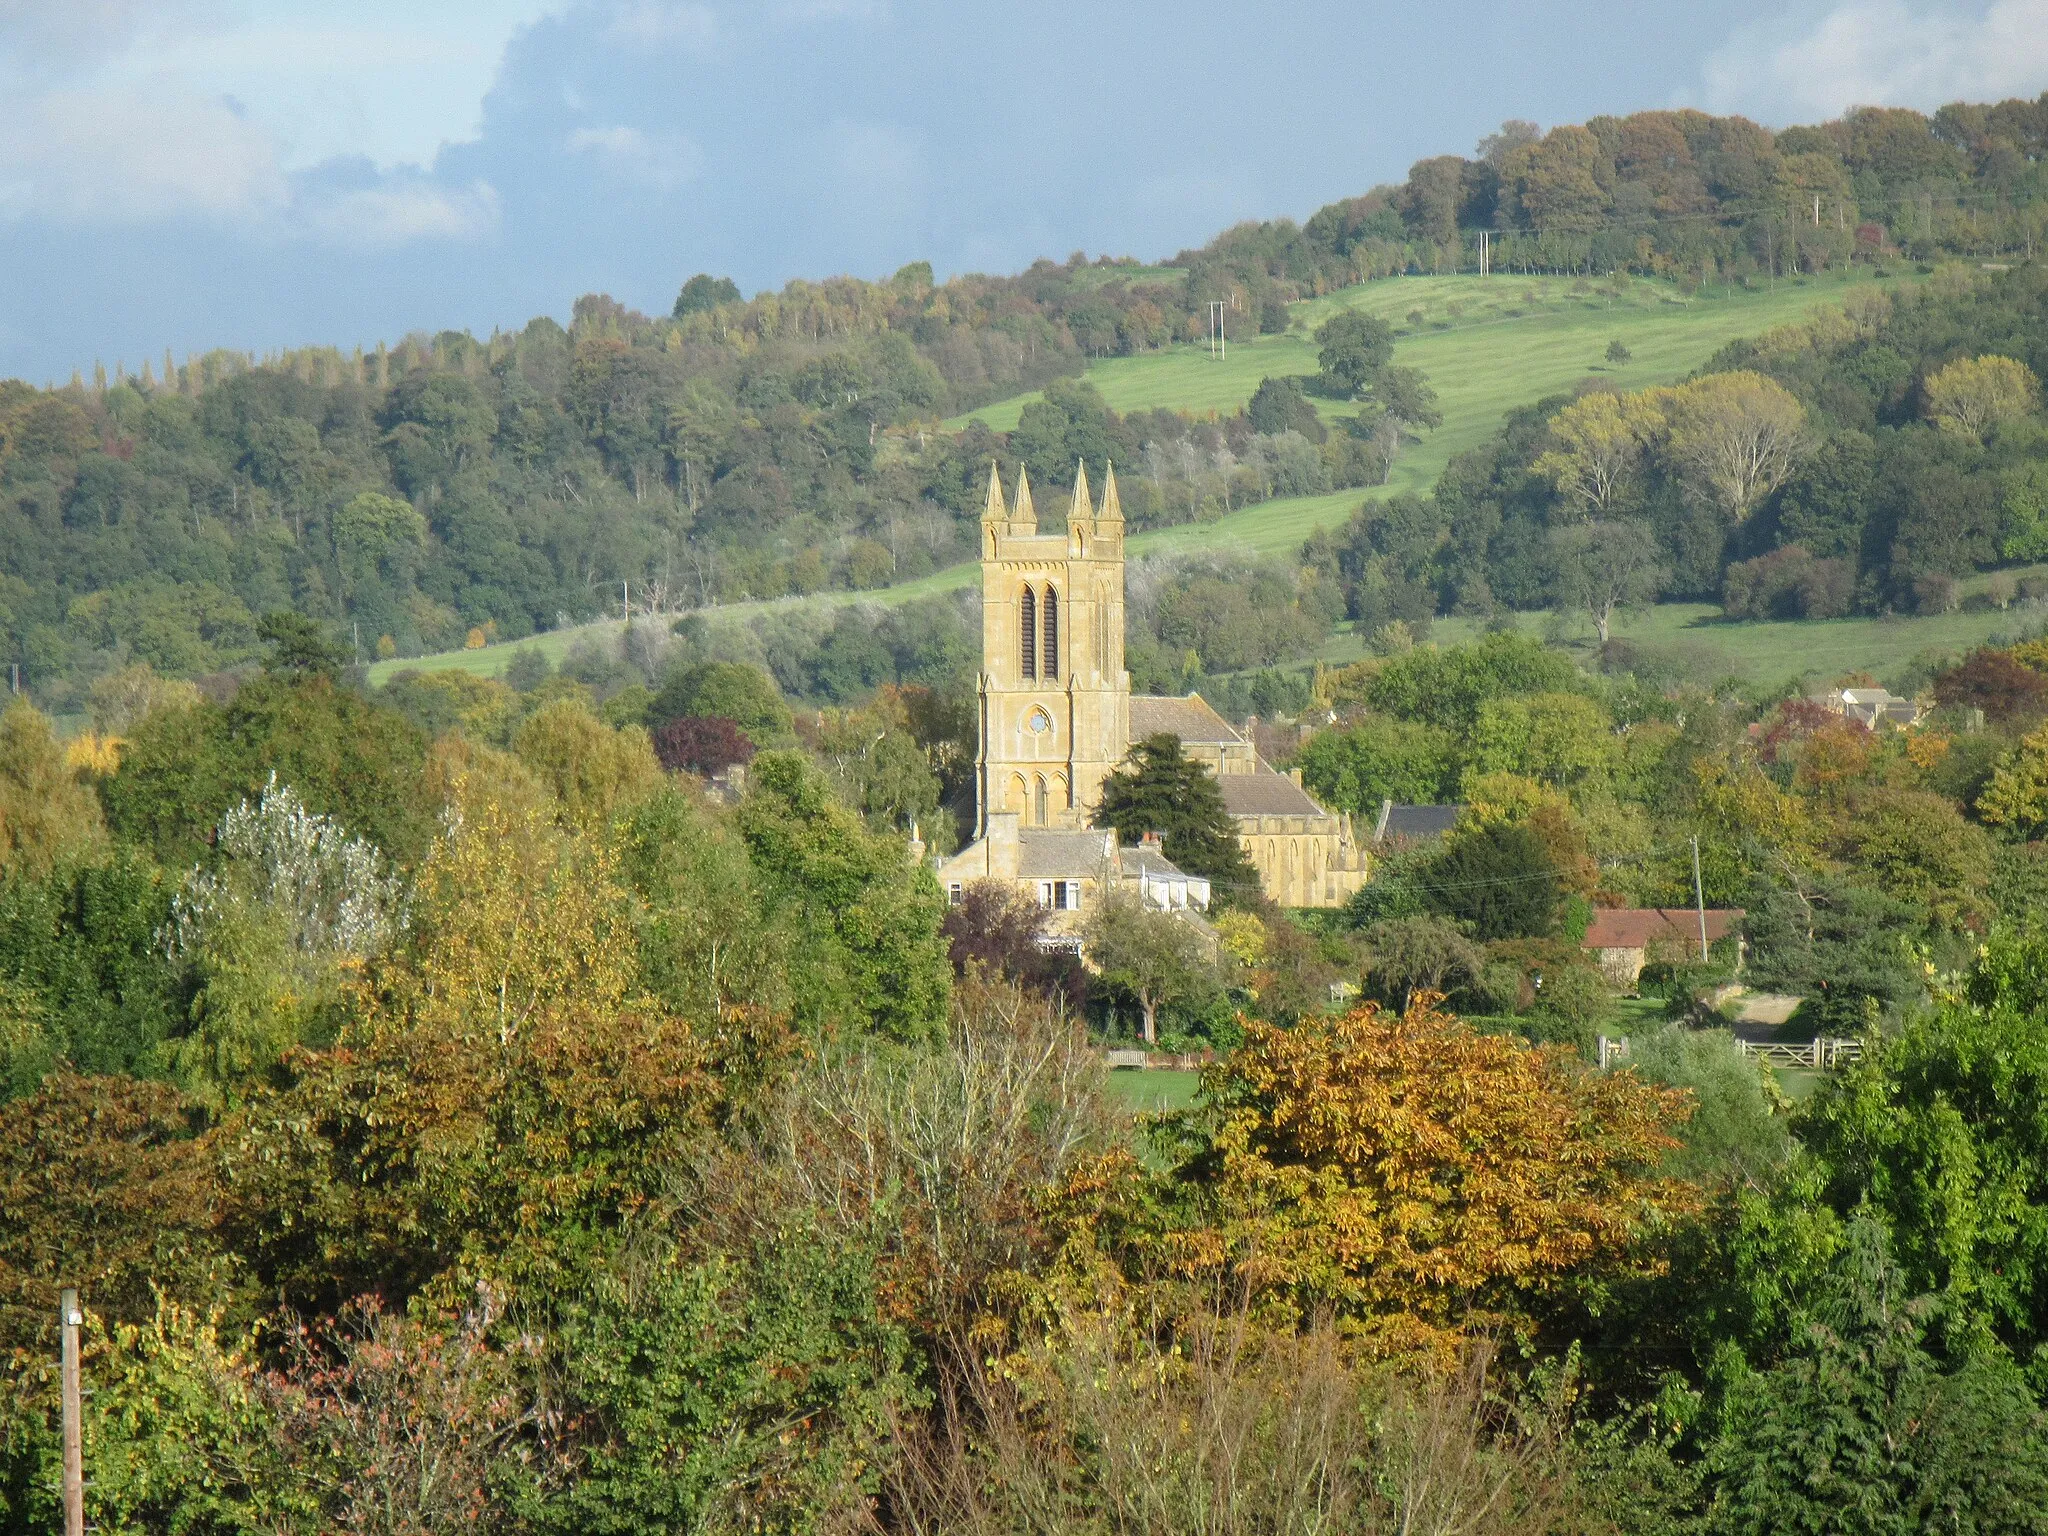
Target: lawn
(1154, 1089)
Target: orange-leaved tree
(1411, 1177)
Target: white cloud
(1882, 53)
(662, 24)
(100, 156)
(663, 161)
(402, 211)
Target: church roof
(1265, 793)
(1190, 718)
(1044, 855)
(1414, 823)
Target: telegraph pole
(69, 1317)
(1699, 898)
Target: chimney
(1151, 840)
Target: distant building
(1625, 939)
(1873, 706)
(1058, 716)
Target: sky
(259, 174)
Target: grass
(1488, 345)
(1760, 652)
(1153, 1090)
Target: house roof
(1265, 793)
(1640, 927)
(1190, 718)
(1043, 855)
(1150, 862)
(1414, 823)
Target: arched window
(1027, 624)
(1052, 633)
(1041, 800)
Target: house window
(1060, 895)
(1070, 895)
(1027, 625)
(1051, 625)
(954, 894)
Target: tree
(1157, 957)
(1352, 349)
(873, 957)
(732, 690)
(1996, 682)
(595, 770)
(1598, 442)
(1601, 567)
(1498, 880)
(996, 927)
(1161, 789)
(704, 292)
(1278, 405)
(1736, 437)
(1618, 354)
(289, 906)
(1420, 1179)
(1861, 1430)
(103, 1185)
(47, 816)
(298, 646)
(1554, 738)
(2017, 796)
(1411, 955)
(1358, 767)
(1973, 397)
(701, 744)
(1404, 395)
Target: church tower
(1055, 699)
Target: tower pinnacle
(1083, 509)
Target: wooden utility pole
(1699, 898)
(69, 1318)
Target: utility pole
(1485, 266)
(1219, 341)
(69, 1317)
(1699, 897)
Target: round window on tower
(1038, 722)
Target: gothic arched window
(1051, 625)
(1042, 798)
(1027, 624)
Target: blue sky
(265, 173)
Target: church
(1057, 717)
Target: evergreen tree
(1164, 790)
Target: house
(1625, 939)
(1873, 706)
(1404, 826)
(1058, 717)
(1068, 872)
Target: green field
(1487, 344)
(1153, 1090)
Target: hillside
(1487, 345)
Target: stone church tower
(1055, 698)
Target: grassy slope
(1514, 340)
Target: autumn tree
(1973, 397)
(1598, 442)
(2017, 796)
(594, 769)
(1735, 437)
(1419, 1178)
(46, 815)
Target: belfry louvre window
(1027, 623)
(1051, 626)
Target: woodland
(410, 495)
(564, 1101)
